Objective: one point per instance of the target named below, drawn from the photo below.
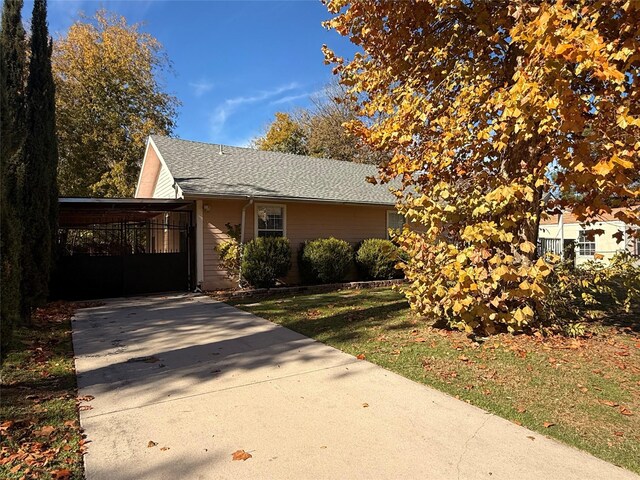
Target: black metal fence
(165, 234)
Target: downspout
(242, 222)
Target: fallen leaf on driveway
(151, 444)
(365, 405)
(240, 455)
(360, 356)
(548, 424)
(86, 398)
(164, 449)
(83, 408)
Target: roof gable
(201, 169)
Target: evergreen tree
(12, 119)
(39, 190)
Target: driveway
(200, 380)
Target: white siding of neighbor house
(606, 244)
(164, 185)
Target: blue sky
(236, 62)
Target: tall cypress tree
(39, 188)
(12, 122)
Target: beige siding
(606, 244)
(304, 221)
(164, 185)
(149, 175)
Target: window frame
(583, 244)
(256, 231)
(387, 221)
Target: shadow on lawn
(346, 326)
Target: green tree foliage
(39, 191)
(109, 100)
(480, 103)
(12, 118)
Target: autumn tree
(319, 130)
(283, 135)
(12, 118)
(110, 98)
(38, 190)
(481, 103)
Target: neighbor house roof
(203, 169)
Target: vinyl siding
(304, 221)
(164, 185)
(606, 244)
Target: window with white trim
(395, 221)
(270, 220)
(586, 247)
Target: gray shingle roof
(199, 169)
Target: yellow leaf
(603, 168)
(527, 247)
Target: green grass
(41, 435)
(581, 386)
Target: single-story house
(556, 232)
(267, 194)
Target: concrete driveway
(201, 380)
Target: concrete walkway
(202, 379)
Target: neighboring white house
(563, 230)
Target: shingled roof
(200, 169)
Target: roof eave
(276, 198)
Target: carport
(119, 247)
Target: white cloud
(291, 98)
(223, 111)
(201, 87)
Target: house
(557, 232)
(266, 194)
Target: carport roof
(74, 212)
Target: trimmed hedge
(264, 260)
(325, 260)
(376, 259)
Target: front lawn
(584, 392)
(41, 435)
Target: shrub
(377, 258)
(229, 252)
(264, 260)
(325, 260)
(575, 294)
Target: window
(395, 221)
(270, 221)
(586, 247)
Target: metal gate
(129, 256)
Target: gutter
(267, 198)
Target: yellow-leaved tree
(109, 99)
(482, 104)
